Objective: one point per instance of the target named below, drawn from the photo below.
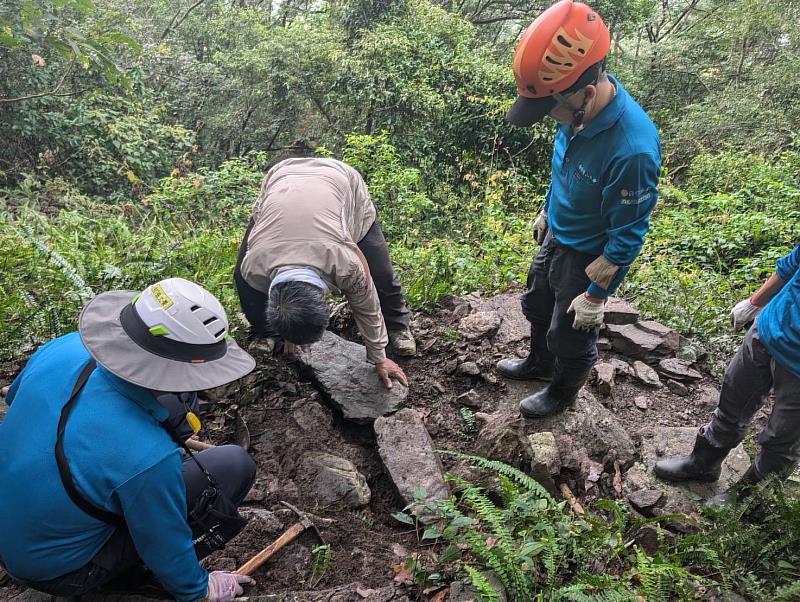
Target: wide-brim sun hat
(172, 337)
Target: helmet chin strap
(578, 115)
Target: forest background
(134, 135)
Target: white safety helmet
(171, 337)
(183, 311)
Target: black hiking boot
(738, 491)
(539, 364)
(556, 396)
(704, 464)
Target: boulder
(514, 327)
(646, 374)
(340, 370)
(677, 369)
(590, 426)
(335, 481)
(544, 452)
(481, 324)
(619, 311)
(407, 452)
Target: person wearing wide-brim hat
(92, 478)
(603, 187)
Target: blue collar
(139, 395)
(610, 113)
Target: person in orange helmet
(604, 177)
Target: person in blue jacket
(604, 178)
(109, 397)
(768, 360)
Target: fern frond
(482, 586)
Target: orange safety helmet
(560, 52)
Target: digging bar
(286, 537)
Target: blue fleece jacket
(604, 184)
(778, 323)
(121, 459)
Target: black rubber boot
(704, 464)
(556, 396)
(739, 490)
(539, 364)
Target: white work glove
(588, 315)
(224, 587)
(540, 227)
(743, 313)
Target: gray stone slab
(407, 452)
(335, 480)
(619, 311)
(685, 497)
(340, 369)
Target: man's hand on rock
(588, 312)
(388, 369)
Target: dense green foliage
(539, 549)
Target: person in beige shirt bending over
(313, 231)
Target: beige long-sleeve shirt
(311, 212)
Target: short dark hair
(298, 312)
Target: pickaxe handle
(256, 561)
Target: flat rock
(640, 401)
(671, 339)
(603, 344)
(340, 370)
(514, 327)
(621, 367)
(646, 374)
(677, 387)
(470, 399)
(469, 369)
(677, 369)
(407, 452)
(644, 499)
(662, 442)
(604, 372)
(479, 325)
(635, 342)
(619, 311)
(335, 481)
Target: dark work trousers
(376, 252)
(750, 376)
(231, 466)
(557, 275)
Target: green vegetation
(539, 549)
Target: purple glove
(224, 587)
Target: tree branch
(53, 92)
(175, 24)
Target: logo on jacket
(636, 197)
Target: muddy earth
(310, 456)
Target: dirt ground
(282, 418)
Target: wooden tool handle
(256, 561)
(196, 445)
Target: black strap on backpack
(61, 459)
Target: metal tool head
(305, 519)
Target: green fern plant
(481, 584)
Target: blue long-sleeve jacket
(120, 458)
(604, 184)
(778, 323)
